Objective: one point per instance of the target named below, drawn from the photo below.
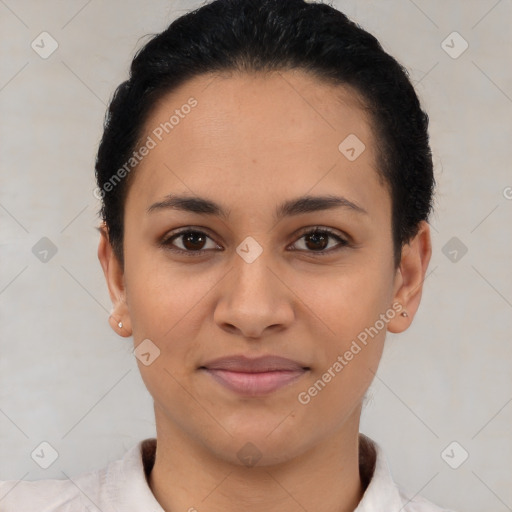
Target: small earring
(404, 313)
(120, 325)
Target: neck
(325, 478)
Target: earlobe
(121, 327)
(410, 277)
(119, 318)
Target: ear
(114, 276)
(410, 276)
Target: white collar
(128, 488)
(381, 493)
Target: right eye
(192, 242)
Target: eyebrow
(292, 207)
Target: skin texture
(252, 142)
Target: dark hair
(273, 35)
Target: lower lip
(254, 384)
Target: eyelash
(167, 242)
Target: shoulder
(121, 485)
(382, 493)
(418, 503)
(50, 495)
(82, 493)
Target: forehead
(292, 104)
(279, 134)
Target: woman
(266, 182)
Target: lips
(254, 376)
(254, 365)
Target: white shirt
(121, 486)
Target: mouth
(254, 377)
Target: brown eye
(192, 242)
(317, 241)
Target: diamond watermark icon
(44, 45)
(44, 250)
(146, 352)
(454, 249)
(44, 455)
(249, 455)
(249, 249)
(454, 45)
(351, 147)
(454, 455)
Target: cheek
(334, 393)
(347, 300)
(160, 294)
(354, 308)
(167, 306)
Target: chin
(260, 444)
(255, 451)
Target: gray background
(68, 379)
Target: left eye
(316, 241)
(318, 238)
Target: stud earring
(120, 325)
(404, 313)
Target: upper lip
(261, 364)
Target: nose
(254, 299)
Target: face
(251, 279)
